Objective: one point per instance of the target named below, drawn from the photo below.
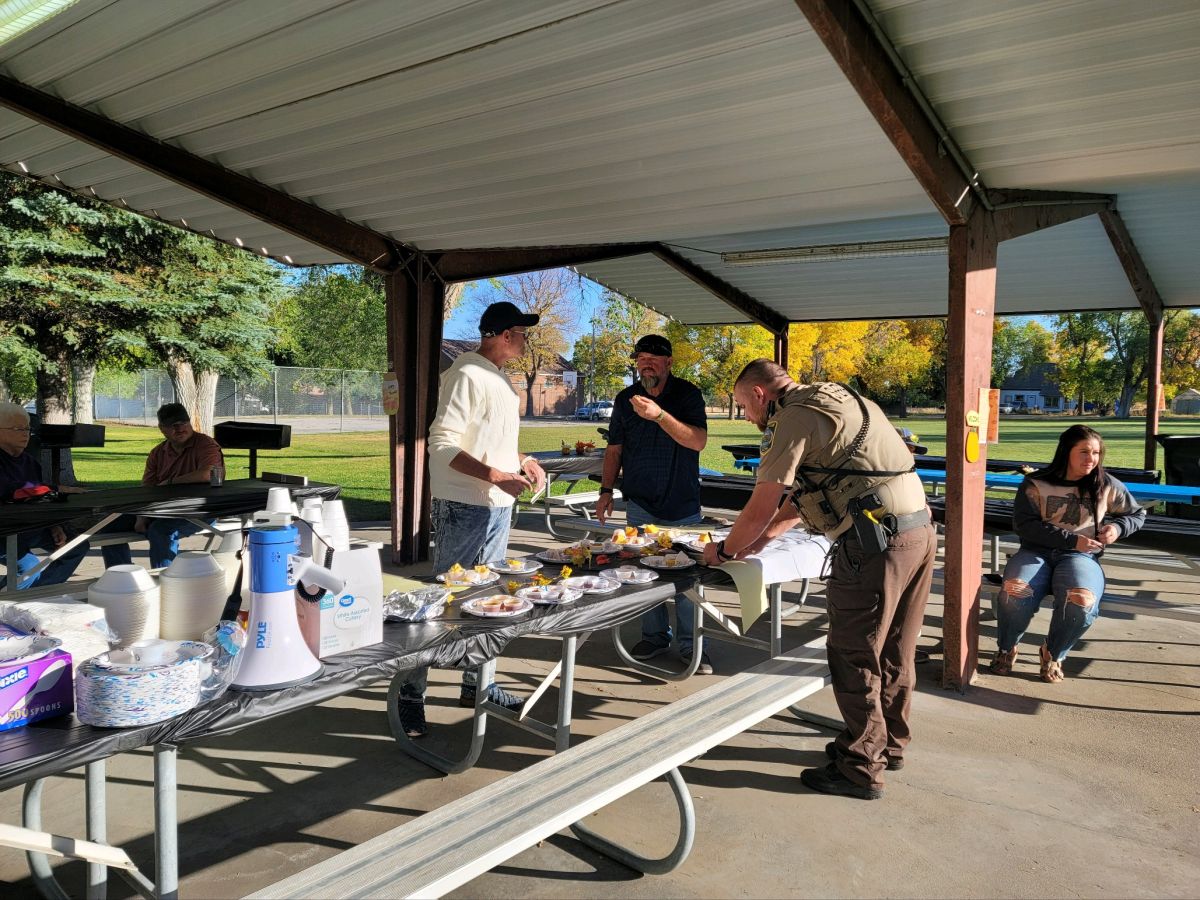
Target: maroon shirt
(164, 462)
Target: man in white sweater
(476, 474)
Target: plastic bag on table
(227, 639)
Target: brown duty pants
(876, 607)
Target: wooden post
(969, 337)
(1154, 389)
(1152, 305)
(415, 299)
(781, 347)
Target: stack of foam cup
(279, 500)
(335, 529)
(310, 513)
(130, 599)
(193, 596)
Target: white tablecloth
(792, 556)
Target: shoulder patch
(767, 439)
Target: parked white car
(601, 409)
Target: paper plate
(548, 595)
(631, 575)
(658, 562)
(489, 578)
(527, 565)
(591, 584)
(475, 607)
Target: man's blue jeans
(163, 535)
(656, 624)
(1075, 579)
(56, 573)
(468, 535)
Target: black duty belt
(908, 521)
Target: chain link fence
(321, 399)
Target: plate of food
(703, 539)
(630, 575)
(669, 561)
(456, 577)
(591, 584)
(547, 594)
(497, 606)
(515, 566)
(554, 555)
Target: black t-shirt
(658, 474)
(16, 472)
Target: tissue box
(353, 618)
(41, 689)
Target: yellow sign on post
(993, 425)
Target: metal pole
(592, 372)
(166, 823)
(342, 401)
(275, 394)
(97, 873)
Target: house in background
(556, 390)
(1035, 389)
(1186, 403)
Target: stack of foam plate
(142, 685)
(193, 596)
(129, 597)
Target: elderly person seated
(21, 474)
(185, 457)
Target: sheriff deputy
(832, 462)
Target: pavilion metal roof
(707, 125)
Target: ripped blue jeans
(1075, 579)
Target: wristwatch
(605, 490)
(661, 415)
(721, 554)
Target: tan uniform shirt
(797, 434)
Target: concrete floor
(1015, 789)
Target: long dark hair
(1093, 481)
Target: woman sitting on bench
(1065, 515)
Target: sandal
(1002, 662)
(1052, 672)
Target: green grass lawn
(358, 461)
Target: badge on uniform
(768, 436)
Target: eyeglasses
(25, 430)
(523, 332)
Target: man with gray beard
(657, 431)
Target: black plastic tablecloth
(453, 642)
(172, 501)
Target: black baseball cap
(910, 439)
(172, 414)
(654, 344)
(499, 317)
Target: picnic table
(1144, 493)
(31, 754)
(197, 503)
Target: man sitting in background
(20, 475)
(185, 457)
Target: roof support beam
(973, 250)
(858, 46)
(741, 301)
(1152, 305)
(468, 265)
(1020, 212)
(415, 300)
(354, 242)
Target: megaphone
(276, 654)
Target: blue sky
(464, 323)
